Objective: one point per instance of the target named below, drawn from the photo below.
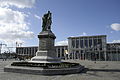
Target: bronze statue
(47, 21)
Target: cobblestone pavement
(89, 75)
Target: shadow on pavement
(105, 70)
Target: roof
(88, 36)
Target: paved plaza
(108, 70)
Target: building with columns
(82, 48)
(113, 51)
(87, 47)
(60, 50)
(28, 52)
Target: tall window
(95, 42)
(27, 50)
(58, 52)
(77, 55)
(73, 43)
(86, 43)
(81, 43)
(77, 43)
(21, 50)
(62, 52)
(90, 42)
(17, 50)
(100, 43)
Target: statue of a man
(47, 21)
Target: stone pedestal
(46, 50)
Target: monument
(46, 50)
(46, 61)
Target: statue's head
(48, 11)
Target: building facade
(87, 47)
(29, 52)
(26, 52)
(61, 52)
(113, 51)
(82, 48)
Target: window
(100, 43)
(86, 43)
(90, 42)
(62, 52)
(95, 42)
(81, 43)
(58, 52)
(73, 43)
(77, 43)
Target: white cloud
(17, 3)
(115, 26)
(36, 16)
(116, 41)
(61, 43)
(13, 26)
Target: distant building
(87, 47)
(60, 50)
(113, 51)
(29, 52)
(82, 48)
(26, 52)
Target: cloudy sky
(20, 20)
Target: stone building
(113, 51)
(83, 48)
(87, 47)
(29, 52)
(60, 50)
(26, 52)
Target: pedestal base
(43, 71)
(45, 59)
